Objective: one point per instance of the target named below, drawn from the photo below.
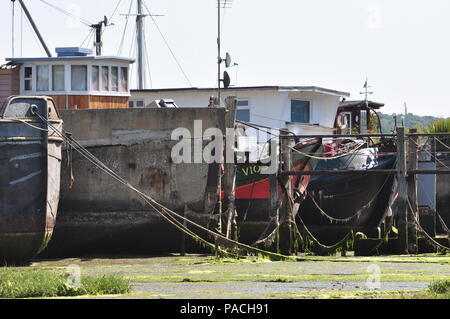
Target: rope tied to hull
(173, 218)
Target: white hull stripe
(23, 157)
(24, 179)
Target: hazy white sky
(402, 46)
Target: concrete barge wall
(99, 215)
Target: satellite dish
(227, 60)
(105, 21)
(226, 80)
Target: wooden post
(412, 194)
(287, 242)
(274, 205)
(183, 235)
(402, 213)
(230, 168)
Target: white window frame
(33, 78)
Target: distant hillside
(411, 121)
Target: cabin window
(105, 79)
(300, 111)
(95, 78)
(123, 79)
(43, 77)
(28, 78)
(58, 78)
(139, 103)
(114, 78)
(79, 78)
(130, 104)
(243, 111)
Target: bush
(440, 287)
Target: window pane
(105, 79)
(242, 103)
(58, 78)
(130, 104)
(124, 79)
(43, 76)
(114, 78)
(300, 111)
(243, 115)
(79, 78)
(28, 72)
(95, 78)
(27, 85)
(139, 103)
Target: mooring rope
(419, 227)
(154, 204)
(328, 158)
(357, 214)
(442, 143)
(444, 225)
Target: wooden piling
(402, 213)
(286, 216)
(412, 193)
(230, 169)
(183, 234)
(274, 205)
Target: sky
(401, 46)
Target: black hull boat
(30, 161)
(338, 204)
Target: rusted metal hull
(29, 194)
(29, 189)
(99, 215)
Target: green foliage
(411, 121)
(440, 287)
(36, 283)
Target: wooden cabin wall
(9, 83)
(108, 102)
(74, 102)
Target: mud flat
(198, 276)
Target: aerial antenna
(366, 92)
(98, 27)
(224, 4)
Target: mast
(140, 45)
(36, 30)
(219, 59)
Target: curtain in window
(58, 78)
(105, 79)
(114, 78)
(95, 78)
(79, 78)
(43, 77)
(123, 79)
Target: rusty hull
(99, 215)
(30, 160)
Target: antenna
(98, 34)
(225, 4)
